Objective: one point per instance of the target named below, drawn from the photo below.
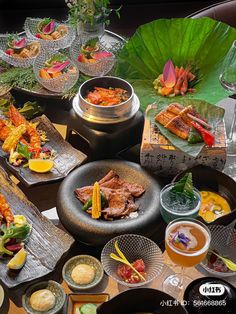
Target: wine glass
(187, 242)
(228, 81)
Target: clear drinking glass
(174, 205)
(228, 81)
(187, 242)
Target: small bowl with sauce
(80, 303)
(82, 272)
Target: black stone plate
(67, 157)
(142, 300)
(46, 244)
(98, 232)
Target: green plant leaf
(30, 109)
(202, 42)
(184, 186)
(23, 150)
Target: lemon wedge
(40, 165)
(18, 261)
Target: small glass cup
(59, 84)
(31, 30)
(172, 208)
(98, 68)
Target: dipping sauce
(213, 206)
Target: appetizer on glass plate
(92, 58)
(18, 51)
(55, 71)
(49, 32)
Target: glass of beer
(187, 242)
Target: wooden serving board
(46, 244)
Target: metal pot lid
(94, 119)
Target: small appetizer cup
(170, 212)
(105, 112)
(51, 285)
(17, 61)
(97, 68)
(223, 241)
(133, 247)
(31, 30)
(82, 259)
(59, 84)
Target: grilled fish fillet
(164, 117)
(178, 127)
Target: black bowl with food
(218, 194)
(142, 301)
(129, 198)
(106, 97)
(210, 295)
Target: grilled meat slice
(184, 115)
(175, 108)
(111, 174)
(164, 117)
(116, 183)
(178, 127)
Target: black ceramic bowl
(99, 232)
(141, 301)
(197, 303)
(206, 178)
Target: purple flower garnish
(180, 238)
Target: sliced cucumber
(88, 308)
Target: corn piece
(13, 138)
(96, 201)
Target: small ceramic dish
(15, 60)
(82, 259)
(31, 29)
(75, 301)
(51, 285)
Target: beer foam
(186, 231)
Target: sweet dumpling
(42, 300)
(83, 274)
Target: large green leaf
(212, 114)
(203, 42)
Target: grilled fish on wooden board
(175, 118)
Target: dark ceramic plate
(196, 303)
(46, 245)
(67, 157)
(98, 232)
(142, 300)
(206, 178)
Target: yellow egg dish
(213, 206)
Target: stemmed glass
(228, 81)
(187, 242)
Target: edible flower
(180, 238)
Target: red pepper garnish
(207, 136)
(35, 152)
(38, 35)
